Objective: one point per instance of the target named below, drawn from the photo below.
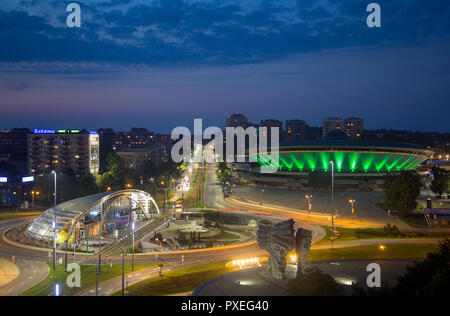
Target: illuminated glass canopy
(68, 213)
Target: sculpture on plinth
(278, 239)
(303, 238)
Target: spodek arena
(356, 163)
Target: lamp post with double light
(33, 194)
(332, 195)
(308, 198)
(352, 203)
(54, 226)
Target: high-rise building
(269, 123)
(237, 120)
(13, 147)
(295, 130)
(135, 138)
(62, 150)
(354, 127)
(137, 158)
(107, 138)
(331, 124)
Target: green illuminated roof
(347, 156)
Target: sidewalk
(8, 272)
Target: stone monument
(278, 239)
(303, 238)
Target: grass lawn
(179, 281)
(246, 234)
(348, 234)
(394, 251)
(188, 279)
(6, 215)
(226, 235)
(88, 275)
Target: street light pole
(332, 193)
(308, 198)
(54, 227)
(100, 231)
(164, 198)
(352, 203)
(123, 273)
(133, 228)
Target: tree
(315, 283)
(401, 192)
(440, 181)
(44, 185)
(430, 277)
(1, 202)
(87, 185)
(223, 172)
(114, 177)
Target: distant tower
(237, 120)
(354, 127)
(331, 124)
(272, 123)
(295, 130)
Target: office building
(61, 150)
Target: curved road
(33, 268)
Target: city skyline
(188, 124)
(160, 64)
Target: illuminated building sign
(52, 131)
(27, 179)
(3, 179)
(43, 131)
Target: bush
(387, 231)
(315, 283)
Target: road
(214, 197)
(32, 265)
(33, 268)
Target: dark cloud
(168, 32)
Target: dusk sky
(160, 64)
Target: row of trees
(430, 277)
(401, 191)
(441, 181)
(115, 177)
(223, 172)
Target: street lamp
(352, 203)
(54, 228)
(160, 241)
(133, 228)
(308, 198)
(33, 193)
(260, 196)
(164, 193)
(332, 194)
